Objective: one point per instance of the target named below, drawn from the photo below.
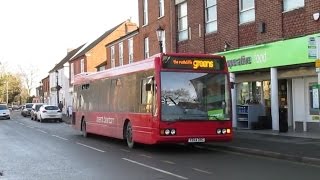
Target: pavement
(292, 146)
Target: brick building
(270, 49)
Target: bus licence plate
(191, 140)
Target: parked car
(49, 112)
(34, 110)
(26, 109)
(4, 111)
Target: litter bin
(283, 120)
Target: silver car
(4, 112)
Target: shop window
(314, 99)
(249, 92)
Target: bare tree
(28, 75)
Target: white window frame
(211, 24)
(130, 50)
(112, 58)
(182, 18)
(72, 72)
(246, 14)
(81, 65)
(145, 12)
(146, 47)
(121, 54)
(161, 8)
(289, 5)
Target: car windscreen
(51, 108)
(29, 105)
(3, 107)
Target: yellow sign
(318, 63)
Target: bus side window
(146, 94)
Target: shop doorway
(283, 105)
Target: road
(33, 150)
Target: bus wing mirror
(148, 87)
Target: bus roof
(142, 65)
(125, 69)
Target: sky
(37, 33)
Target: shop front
(276, 86)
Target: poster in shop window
(315, 98)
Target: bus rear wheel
(83, 129)
(129, 137)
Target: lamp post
(41, 93)
(57, 86)
(160, 32)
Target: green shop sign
(280, 53)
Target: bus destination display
(192, 63)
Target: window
(145, 12)
(146, 47)
(211, 16)
(82, 65)
(130, 47)
(146, 94)
(113, 63)
(314, 99)
(291, 5)
(247, 11)
(121, 54)
(182, 22)
(161, 8)
(72, 72)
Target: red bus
(167, 98)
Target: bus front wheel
(129, 137)
(83, 129)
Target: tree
(10, 87)
(28, 75)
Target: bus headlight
(224, 131)
(173, 132)
(218, 131)
(167, 132)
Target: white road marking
(30, 127)
(90, 147)
(125, 150)
(156, 169)
(143, 155)
(203, 171)
(168, 162)
(59, 137)
(42, 131)
(21, 124)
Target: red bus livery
(167, 98)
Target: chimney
(70, 49)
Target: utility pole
(7, 92)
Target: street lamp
(41, 93)
(57, 86)
(160, 32)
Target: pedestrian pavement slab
(299, 149)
